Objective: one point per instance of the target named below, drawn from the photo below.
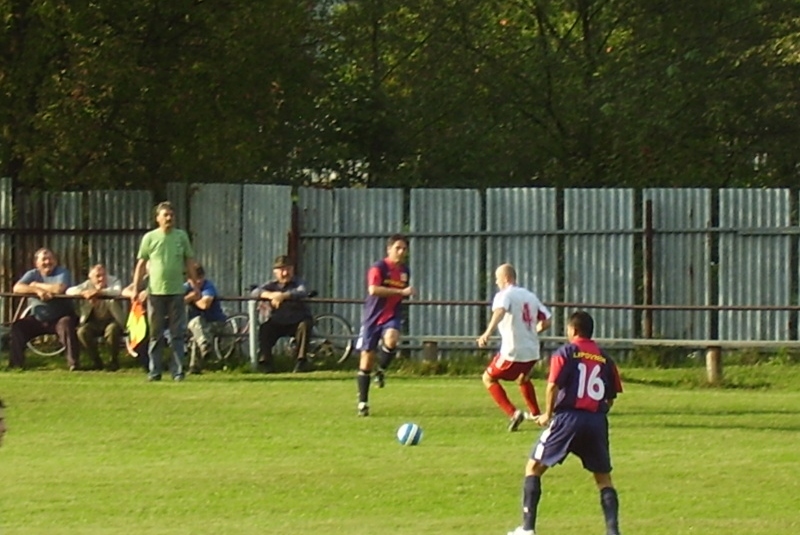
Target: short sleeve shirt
(55, 308)
(519, 339)
(212, 313)
(167, 253)
(585, 375)
(380, 310)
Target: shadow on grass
(688, 382)
(754, 427)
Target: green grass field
(237, 453)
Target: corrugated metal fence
(677, 247)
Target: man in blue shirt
(205, 317)
(49, 315)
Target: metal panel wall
(266, 223)
(753, 264)
(518, 220)
(238, 230)
(599, 267)
(67, 213)
(681, 260)
(445, 268)
(215, 212)
(123, 210)
(45, 213)
(316, 217)
(178, 196)
(365, 218)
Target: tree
(568, 93)
(415, 93)
(120, 94)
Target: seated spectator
(49, 314)
(98, 316)
(289, 314)
(205, 315)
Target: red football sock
(529, 394)
(498, 393)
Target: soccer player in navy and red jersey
(581, 388)
(387, 285)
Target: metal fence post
(252, 340)
(714, 365)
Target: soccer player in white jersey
(519, 316)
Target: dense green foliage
(417, 93)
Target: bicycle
(44, 345)
(48, 345)
(331, 339)
(227, 339)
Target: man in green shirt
(167, 255)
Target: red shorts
(508, 370)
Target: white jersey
(520, 341)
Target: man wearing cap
(289, 314)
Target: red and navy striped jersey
(586, 377)
(379, 310)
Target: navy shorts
(370, 335)
(582, 433)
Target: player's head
(580, 324)
(98, 276)
(45, 260)
(164, 215)
(201, 272)
(505, 275)
(283, 268)
(2, 421)
(397, 248)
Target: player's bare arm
(53, 288)
(191, 270)
(550, 394)
(497, 316)
(543, 325)
(138, 274)
(22, 288)
(385, 291)
(204, 303)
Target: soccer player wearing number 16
(581, 388)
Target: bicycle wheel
(331, 338)
(233, 333)
(45, 345)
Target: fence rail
(430, 343)
(678, 264)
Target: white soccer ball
(409, 434)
